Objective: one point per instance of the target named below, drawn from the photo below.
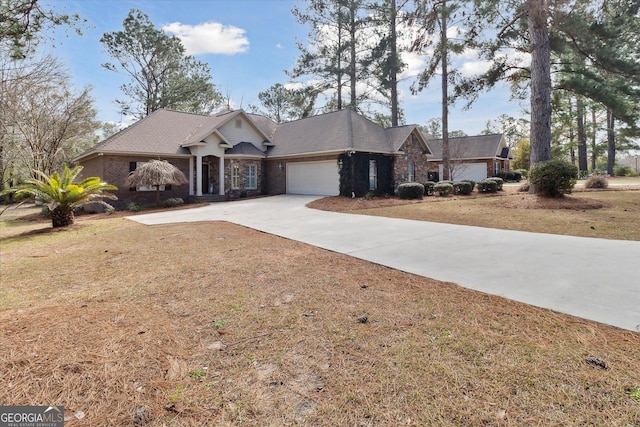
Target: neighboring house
(235, 154)
(472, 157)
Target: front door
(205, 178)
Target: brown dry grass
(215, 324)
(607, 214)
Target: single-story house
(472, 157)
(234, 154)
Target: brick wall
(115, 169)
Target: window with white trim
(235, 176)
(251, 177)
(411, 176)
(496, 168)
(373, 175)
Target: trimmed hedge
(411, 190)
(514, 176)
(443, 188)
(428, 188)
(553, 178)
(487, 186)
(462, 187)
(470, 181)
(499, 181)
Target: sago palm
(61, 195)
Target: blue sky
(247, 43)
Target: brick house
(235, 154)
(472, 157)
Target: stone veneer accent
(414, 153)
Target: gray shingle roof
(336, 131)
(245, 149)
(161, 133)
(168, 133)
(468, 147)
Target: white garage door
(473, 171)
(316, 178)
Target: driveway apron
(596, 279)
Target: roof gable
(398, 137)
(470, 147)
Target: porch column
(191, 176)
(198, 175)
(221, 175)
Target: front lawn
(215, 324)
(607, 214)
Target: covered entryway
(315, 178)
(473, 171)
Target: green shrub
(512, 176)
(134, 207)
(443, 188)
(553, 178)
(596, 182)
(462, 187)
(411, 190)
(622, 170)
(487, 186)
(499, 181)
(170, 203)
(523, 172)
(428, 188)
(470, 181)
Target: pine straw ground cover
(609, 214)
(214, 324)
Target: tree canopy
(22, 24)
(162, 75)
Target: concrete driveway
(595, 279)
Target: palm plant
(59, 193)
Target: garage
(314, 178)
(473, 171)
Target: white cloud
(209, 37)
(472, 68)
(279, 46)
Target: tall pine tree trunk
(393, 72)
(582, 136)
(540, 81)
(611, 141)
(446, 161)
(594, 149)
(352, 52)
(339, 67)
(572, 135)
